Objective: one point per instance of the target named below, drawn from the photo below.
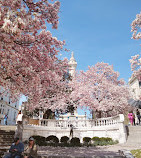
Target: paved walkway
(87, 152)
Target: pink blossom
(100, 89)
(28, 57)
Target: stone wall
(114, 128)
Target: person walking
(16, 149)
(5, 119)
(138, 115)
(31, 149)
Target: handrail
(80, 123)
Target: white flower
(20, 21)
(6, 24)
(14, 29)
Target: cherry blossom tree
(136, 26)
(100, 89)
(136, 60)
(28, 52)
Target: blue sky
(99, 31)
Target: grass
(136, 153)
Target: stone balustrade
(104, 127)
(80, 123)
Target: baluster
(107, 122)
(97, 123)
(110, 122)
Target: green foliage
(52, 139)
(64, 139)
(40, 140)
(103, 141)
(136, 153)
(95, 139)
(87, 141)
(75, 141)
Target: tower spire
(72, 65)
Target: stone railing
(112, 127)
(80, 123)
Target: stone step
(6, 139)
(5, 144)
(7, 133)
(3, 141)
(8, 128)
(3, 132)
(95, 156)
(7, 136)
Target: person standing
(16, 149)
(19, 122)
(71, 131)
(134, 121)
(138, 115)
(131, 117)
(19, 118)
(5, 119)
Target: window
(15, 104)
(140, 84)
(14, 116)
(9, 100)
(7, 111)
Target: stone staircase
(134, 136)
(6, 139)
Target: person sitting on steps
(31, 149)
(16, 149)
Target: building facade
(135, 87)
(9, 108)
